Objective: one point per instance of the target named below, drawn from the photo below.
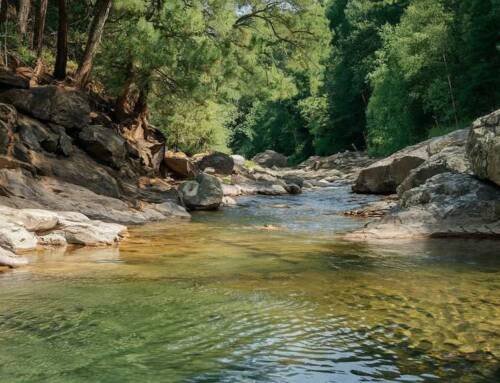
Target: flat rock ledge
(22, 230)
(447, 205)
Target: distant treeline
(301, 77)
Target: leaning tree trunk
(40, 27)
(62, 42)
(23, 11)
(95, 34)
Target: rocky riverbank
(72, 173)
(447, 186)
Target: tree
(40, 27)
(355, 25)
(102, 9)
(412, 83)
(62, 42)
(23, 11)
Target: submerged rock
(270, 158)
(204, 193)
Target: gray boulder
(446, 205)
(14, 237)
(9, 79)
(104, 145)
(384, 176)
(220, 162)
(450, 159)
(68, 108)
(270, 158)
(483, 147)
(204, 193)
(238, 160)
(9, 259)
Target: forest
(302, 77)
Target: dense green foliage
(301, 77)
(398, 71)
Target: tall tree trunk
(62, 42)
(450, 87)
(95, 34)
(4, 7)
(23, 12)
(40, 27)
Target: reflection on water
(219, 300)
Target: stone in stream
(221, 163)
(270, 158)
(238, 160)
(450, 159)
(9, 259)
(384, 176)
(293, 189)
(14, 237)
(204, 193)
(446, 205)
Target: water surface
(225, 299)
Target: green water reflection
(220, 300)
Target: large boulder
(9, 79)
(79, 230)
(384, 176)
(453, 139)
(68, 108)
(220, 162)
(450, 159)
(483, 147)
(270, 158)
(104, 145)
(238, 160)
(9, 259)
(34, 220)
(14, 237)
(446, 205)
(180, 164)
(205, 193)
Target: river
(262, 292)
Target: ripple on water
(218, 301)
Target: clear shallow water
(220, 300)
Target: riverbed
(265, 291)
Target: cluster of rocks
(60, 152)
(215, 178)
(26, 229)
(447, 186)
(339, 168)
